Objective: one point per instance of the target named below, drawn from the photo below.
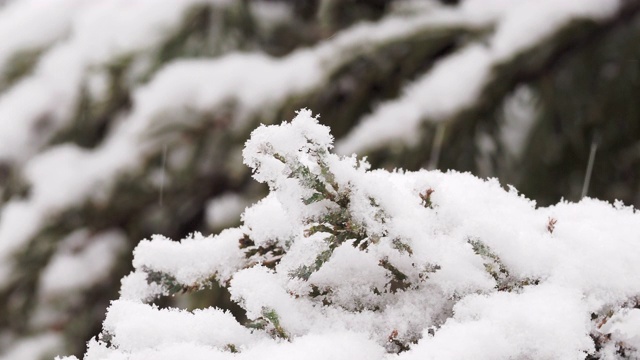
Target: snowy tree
(120, 119)
(343, 262)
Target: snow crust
(361, 263)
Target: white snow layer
(66, 175)
(31, 25)
(100, 32)
(455, 82)
(33, 347)
(587, 263)
(557, 267)
(82, 260)
(225, 210)
(34, 109)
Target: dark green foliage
(168, 282)
(272, 316)
(268, 321)
(492, 264)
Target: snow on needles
(386, 265)
(455, 82)
(35, 107)
(250, 82)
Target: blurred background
(120, 119)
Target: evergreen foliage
(367, 259)
(124, 119)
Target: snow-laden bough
(340, 261)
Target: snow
(38, 105)
(194, 259)
(454, 83)
(531, 21)
(82, 260)
(268, 221)
(32, 25)
(136, 287)
(33, 347)
(225, 210)
(515, 325)
(324, 288)
(448, 87)
(136, 326)
(483, 273)
(338, 346)
(270, 14)
(60, 178)
(625, 327)
(12, 231)
(351, 275)
(520, 113)
(249, 82)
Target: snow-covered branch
(421, 264)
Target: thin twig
(162, 173)
(437, 146)
(587, 175)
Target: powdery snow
(455, 82)
(248, 82)
(625, 327)
(225, 210)
(32, 25)
(194, 259)
(39, 105)
(452, 84)
(82, 260)
(370, 264)
(33, 347)
(314, 296)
